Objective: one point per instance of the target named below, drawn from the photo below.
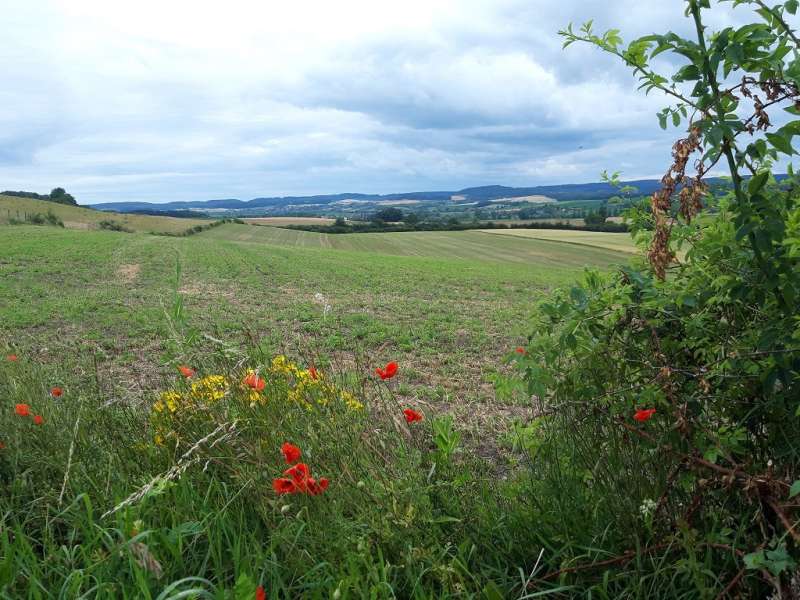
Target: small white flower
(648, 507)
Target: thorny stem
(728, 142)
(776, 15)
(712, 81)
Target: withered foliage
(692, 189)
(660, 255)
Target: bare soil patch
(128, 273)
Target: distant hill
(561, 193)
(78, 217)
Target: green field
(448, 305)
(94, 312)
(76, 217)
(467, 245)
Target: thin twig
(733, 583)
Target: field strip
(465, 245)
(618, 242)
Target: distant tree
(61, 196)
(411, 219)
(340, 222)
(388, 215)
(597, 218)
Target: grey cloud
(481, 94)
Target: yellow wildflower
(210, 388)
(350, 401)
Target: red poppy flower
(38, 420)
(255, 382)
(2, 446)
(260, 593)
(644, 414)
(313, 372)
(412, 416)
(186, 371)
(520, 350)
(291, 453)
(12, 358)
(23, 410)
(281, 485)
(315, 488)
(299, 472)
(389, 371)
(56, 392)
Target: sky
(162, 100)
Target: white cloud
(155, 100)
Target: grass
(88, 515)
(76, 217)
(475, 246)
(106, 291)
(430, 510)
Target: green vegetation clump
(669, 417)
(58, 195)
(669, 392)
(49, 218)
(388, 215)
(112, 225)
(413, 224)
(198, 228)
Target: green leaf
(795, 489)
(244, 588)
(779, 560)
(714, 136)
(755, 560)
(780, 143)
(791, 6)
(687, 73)
(492, 592)
(757, 182)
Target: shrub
(669, 392)
(48, 218)
(112, 225)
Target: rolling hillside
(76, 217)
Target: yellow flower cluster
(350, 401)
(202, 393)
(308, 387)
(168, 401)
(282, 379)
(210, 389)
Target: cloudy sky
(160, 100)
